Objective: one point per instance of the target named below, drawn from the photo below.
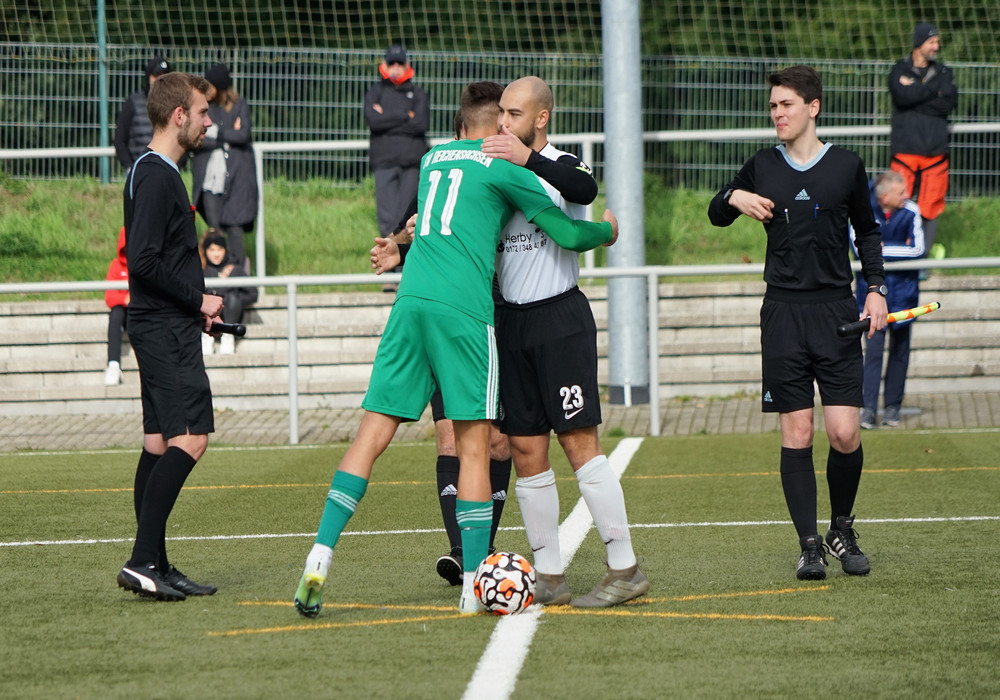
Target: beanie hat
(214, 239)
(158, 65)
(218, 75)
(923, 32)
(395, 54)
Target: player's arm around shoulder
(573, 235)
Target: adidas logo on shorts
(767, 397)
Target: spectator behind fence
(217, 264)
(225, 172)
(133, 132)
(923, 93)
(117, 301)
(399, 114)
(902, 239)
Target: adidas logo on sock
(802, 196)
(767, 397)
(449, 490)
(499, 496)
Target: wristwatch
(880, 288)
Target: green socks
(345, 492)
(475, 519)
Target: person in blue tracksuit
(902, 239)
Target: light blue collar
(131, 172)
(797, 166)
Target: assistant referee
(168, 312)
(805, 192)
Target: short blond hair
(171, 91)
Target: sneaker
(469, 604)
(843, 541)
(551, 589)
(207, 344)
(891, 416)
(309, 595)
(148, 582)
(812, 562)
(227, 344)
(868, 419)
(178, 581)
(617, 586)
(113, 374)
(449, 566)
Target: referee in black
(168, 312)
(804, 192)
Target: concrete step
(53, 352)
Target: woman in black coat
(225, 173)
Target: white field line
(499, 666)
(439, 530)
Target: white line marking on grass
(742, 523)
(435, 531)
(255, 536)
(499, 666)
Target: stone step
(52, 357)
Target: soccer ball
(505, 583)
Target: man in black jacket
(923, 93)
(133, 132)
(399, 115)
(805, 192)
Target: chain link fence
(49, 98)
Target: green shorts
(427, 345)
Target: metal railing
(651, 273)
(586, 141)
(50, 97)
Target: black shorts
(548, 365)
(437, 405)
(799, 344)
(176, 395)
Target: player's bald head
(531, 90)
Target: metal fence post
(260, 255)
(653, 320)
(293, 364)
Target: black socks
(163, 484)
(843, 475)
(447, 484)
(798, 481)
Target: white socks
(319, 559)
(539, 501)
(603, 494)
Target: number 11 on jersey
(455, 175)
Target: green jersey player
(440, 333)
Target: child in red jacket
(117, 300)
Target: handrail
(652, 273)
(585, 140)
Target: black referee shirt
(165, 275)
(808, 247)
